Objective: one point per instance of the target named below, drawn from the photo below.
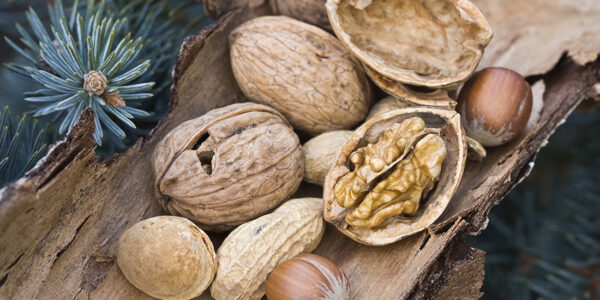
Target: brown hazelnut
(495, 105)
(307, 276)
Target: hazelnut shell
(307, 276)
(495, 105)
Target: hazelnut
(307, 276)
(167, 257)
(495, 105)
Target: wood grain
(60, 225)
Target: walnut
(300, 70)
(406, 165)
(432, 43)
(402, 190)
(228, 166)
(310, 11)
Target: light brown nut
(167, 257)
(381, 150)
(320, 153)
(254, 249)
(300, 70)
(310, 11)
(433, 43)
(384, 105)
(228, 166)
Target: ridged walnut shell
(228, 166)
(310, 11)
(433, 43)
(167, 257)
(254, 249)
(432, 206)
(300, 70)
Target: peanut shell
(228, 166)
(301, 71)
(254, 249)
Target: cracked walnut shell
(300, 70)
(228, 166)
(396, 174)
(432, 43)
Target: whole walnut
(309, 11)
(300, 70)
(228, 166)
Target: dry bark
(60, 225)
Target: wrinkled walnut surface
(167, 257)
(254, 249)
(248, 161)
(435, 43)
(401, 191)
(344, 189)
(300, 70)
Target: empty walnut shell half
(228, 166)
(433, 43)
(396, 174)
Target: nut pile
(387, 170)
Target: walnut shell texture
(320, 154)
(444, 121)
(310, 11)
(300, 70)
(167, 257)
(254, 249)
(228, 166)
(410, 94)
(433, 43)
